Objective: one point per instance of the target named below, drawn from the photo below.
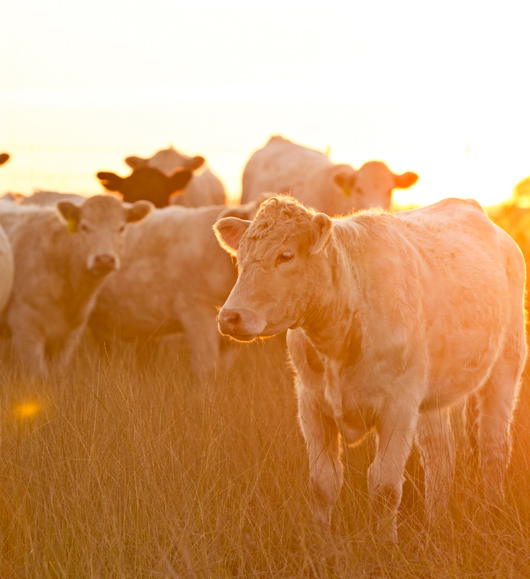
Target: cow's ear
(179, 180)
(69, 213)
(4, 157)
(110, 181)
(195, 163)
(136, 162)
(344, 176)
(229, 232)
(405, 180)
(320, 232)
(138, 211)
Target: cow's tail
(471, 422)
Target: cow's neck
(80, 289)
(333, 323)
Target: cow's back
(204, 189)
(281, 167)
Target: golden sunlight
(27, 409)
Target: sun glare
(27, 409)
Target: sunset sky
(442, 89)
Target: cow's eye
(284, 257)
(121, 229)
(84, 227)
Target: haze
(439, 89)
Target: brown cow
(392, 319)
(204, 189)
(62, 257)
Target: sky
(442, 89)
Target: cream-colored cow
(392, 319)
(174, 278)
(204, 189)
(62, 257)
(7, 269)
(308, 175)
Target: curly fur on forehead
(278, 217)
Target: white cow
(392, 319)
(7, 269)
(62, 256)
(204, 189)
(48, 198)
(282, 166)
(174, 278)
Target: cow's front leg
(395, 428)
(322, 439)
(200, 326)
(28, 344)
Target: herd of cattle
(390, 318)
(169, 273)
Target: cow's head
(370, 186)
(98, 229)
(281, 256)
(146, 183)
(167, 161)
(4, 158)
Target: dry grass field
(119, 471)
(116, 471)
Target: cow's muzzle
(103, 263)
(242, 325)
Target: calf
(392, 319)
(174, 277)
(62, 257)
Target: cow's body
(7, 269)
(204, 189)
(282, 166)
(48, 198)
(394, 318)
(174, 277)
(61, 260)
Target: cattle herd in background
(390, 318)
(166, 273)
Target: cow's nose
(229, 320)
(105, 262)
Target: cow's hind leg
(436, 444)
(495, 402)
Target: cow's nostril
(105, 260)
(234, 318)
(229, 319)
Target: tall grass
(121, 471)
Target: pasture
(121, 471)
